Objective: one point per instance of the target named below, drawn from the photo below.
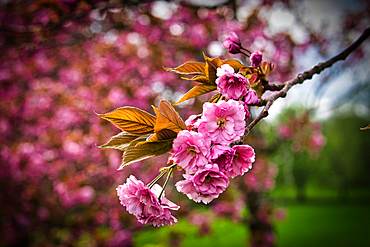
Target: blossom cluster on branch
(208, 147)
(63, 60)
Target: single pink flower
(232, 43)
(244, 156)
(205, 185)
(210, 183)
(223, 122)
(143, 203)
(191, 150)
(229, 84)
(256, 59)
(138, 198)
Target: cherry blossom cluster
(205, 151)
(210, 150)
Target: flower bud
(232, 43)
(256, 59)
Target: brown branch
(199, 5)
(300, 78)
(273, 87)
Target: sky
(318, 12)
(315, 13)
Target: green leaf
(120, 141)
(189, 68)
(132, 120)
(197, 91)
(168, 118)
(135, 153)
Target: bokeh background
(62, 61)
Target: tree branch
(199, 5)
(301, 77)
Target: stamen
(191, 150)
(221, 123)
(208, 179)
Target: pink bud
(232, 43)
(256, 59)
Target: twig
(301, 77)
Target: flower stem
(244, 54)
(246, 50)
(167, 179)
(151, 184)
(163, 170)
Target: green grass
(321, 221)
(222, 233)
(325, 225)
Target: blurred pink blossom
(284, 131)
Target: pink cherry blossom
(232, 43)
(138, 198)
(230, 84)
(191, 150)
(210, 183)
(256, 59)
(244, 156)
(223, 122)
(142, 202)
(205, 185)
